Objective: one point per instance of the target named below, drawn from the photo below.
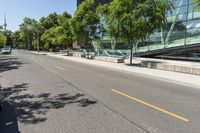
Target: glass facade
(182, 29)
(79, 2)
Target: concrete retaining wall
(110, 59)
(78, 54)
(171, 67)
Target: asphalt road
(51, 95)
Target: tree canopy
(132, 20)
(85, 21)
(59, 35)
(3, 39)
(197, 3)
(129, 21)
(53, 30)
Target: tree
(63, 18)
(197, 2)
(27, 32)
(111, 30)
(17, 42)
(59, 35)
(3, 39)
(50, 21)
(65, 36)
(47, 38)
(132, 21)
(85, 21)
(9, 39)
(55, 30)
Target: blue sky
(16, 10)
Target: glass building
(179, 37)
(79, 2)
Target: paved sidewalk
(175, 77)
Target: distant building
(97, 1)
(79, 2)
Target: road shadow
(40, 54)
(31, 109)
(8, 63)
(8, 119)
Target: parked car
(6, 50)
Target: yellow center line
(152, 106)
(60, 68)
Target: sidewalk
(169, 76)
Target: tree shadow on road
(8, 63)
(8, 119)
(31, 109)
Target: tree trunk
(113, 43)
(131, 55)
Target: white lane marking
(9, 123)
(60, 68)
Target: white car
(6, 50)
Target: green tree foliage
(197, 2)
(45, 23)
(50, 21)
(53, 30)
(85, 21)
(59, 35)
(62, 19)
(132, 21)
(3, 39)
(9, 39)
(27, 32)
(17, 42)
